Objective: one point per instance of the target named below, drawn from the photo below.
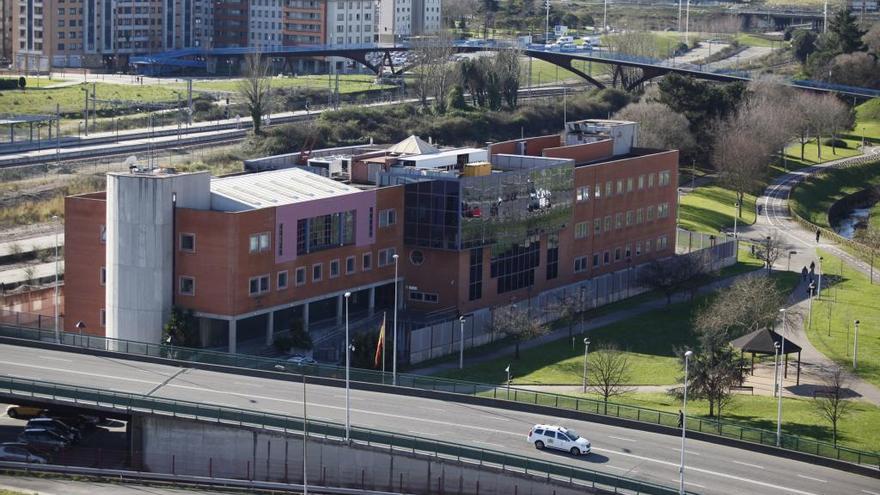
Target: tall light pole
(825, 18)
(687, 20)
(547, 22)
(305, 439)
(586, 352)
(55, 297)
(679, 17)
(677, 206)
(819, 285)
(461, 342)
(856, 346)
(810, 316)
(684, 408)
(394, 354)
(605, 18)
(775, 368)
(781, 380)
(347, 373)
(735, 217)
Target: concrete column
(372, 303)
(270, 327)
(340, 305)
(233, 336)
(306, 317)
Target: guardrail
(134, 403)
(722, 428)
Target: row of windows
(621, 220)
(623, 186)
(621, 253)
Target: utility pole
(547, 22)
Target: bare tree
(870, 237)
(609, 372)
(567, 306)
(856, 69)
(749, 304)
(659, 126)
(433, 72)
(740, 156)
(507, 67)
(670, 275)
(769, 250)
(517, 323)
(872, 39)
(256, 89)
(829, 116)
(831, 403)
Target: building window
(475, 278)
(334, 268)
(281, 282)
(628, 251)
(606, 258)
(638, 248)
(188, 243)
(370, 223)
(630, 218)
(609, 188)
(650, 213)
(663, 178)
(629, 185)
(595, 259)
(386, 256)
(663, 210)
(258, 285)
(608, 223)
(597, 226)
(618, 220)
(259, 242)
(349, 265)
(103, 275)
(515, 267)
(187, 286)
(428, 297)
(580, 264)
(661, 243)
(552, 256)
(650, 180)
(103, 317)
(598, 191)
(300, 276)
(416, 257)
(640, 215)
(581, 229)
(317, 272)
(583, 193)
(616, 254)
(367, 262)
(387, 217)
(648, 246)
(103, 234)
(619, 186)
(280, 239)
(641, 182)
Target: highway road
(711, 468)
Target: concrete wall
(140, 248)
(195, 448)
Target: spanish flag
(380, 346)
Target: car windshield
(572, 434)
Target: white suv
(558, 437)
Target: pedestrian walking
(817, 236)
(804, 274)
(812, 268)
(760, 208)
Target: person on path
(812, 268)
(817, 236)
(804, 274)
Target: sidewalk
(593, 323)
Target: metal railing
(723, 428)
(136, 403)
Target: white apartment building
(400, 19)
(266, 23)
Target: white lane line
(425, 434)
(489, 443)
(693, 453)
(755, 466)
(74, 372)
(621, 438)
(687, 483)
(710, 472)
(53, 358)
(812, 479)
(251, 385)
(869, 492)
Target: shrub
(837, 143)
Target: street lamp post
(677, 206)
(810, 316)
(775, 368)
(508, 381)
(586, 352)
(819, 285)
(781, 380)
(55, 297)
(856, 346)
(347, 373)
(687, 356)
(461, 342)
(394, 339)
(735, 217)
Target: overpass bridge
(475, 425)
(367, 54)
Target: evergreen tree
(803, 43)
(849, 36)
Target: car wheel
(12, 414)
(539, 445)
(575, 451)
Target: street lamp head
(80, 325)
(54, 218)
(782, 310)
(347, 295)
(586, 341)
(461, 319)
(395, 257)
(857, 322)
(688, 354)
(776, 345)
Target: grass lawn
(850, 299)
(348, 83)
(648, 339)
(859, 430)
(752, 40)
(71, 98)
(711, 208)
(813, 197)
(867, 120)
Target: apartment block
(399, 19)
(450, 231)
(6, 31)
(266, 23)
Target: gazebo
(764, 342)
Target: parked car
(24, 412)
(19, 452)
(72, 434)
(43, 439)
(301, 360)
(558, 437)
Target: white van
(564, 39)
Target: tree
(871, 39)
(870, 237)
(506, 67)
(849, 36)
(831, 403)
(855, 69)
(769, 250)
(456, 98)
(659, 126)
(567, 306)
(803, 43)
(256, 89)
(517, 323)
(829, 116)
(609, 372)
(181, 328)
(749, 304)
(635, 42)
(712, 371)
(670, 275)
(740, 157)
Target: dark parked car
(19, 452)
(57, 426)
(43, 440)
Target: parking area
(102, 445)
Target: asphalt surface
(711, 468)
(65, 486)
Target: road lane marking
(687, 483)
(488, 443)
(53, 358)
(74, 372)
(811, 478)
(870, 492)
(424, 433)
(621, 438)
(755, 466)
(253, 385)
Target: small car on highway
(301, 360)
(56, 426)
(19, 452)
(43, 440)
(558, 437)
(24, 412)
